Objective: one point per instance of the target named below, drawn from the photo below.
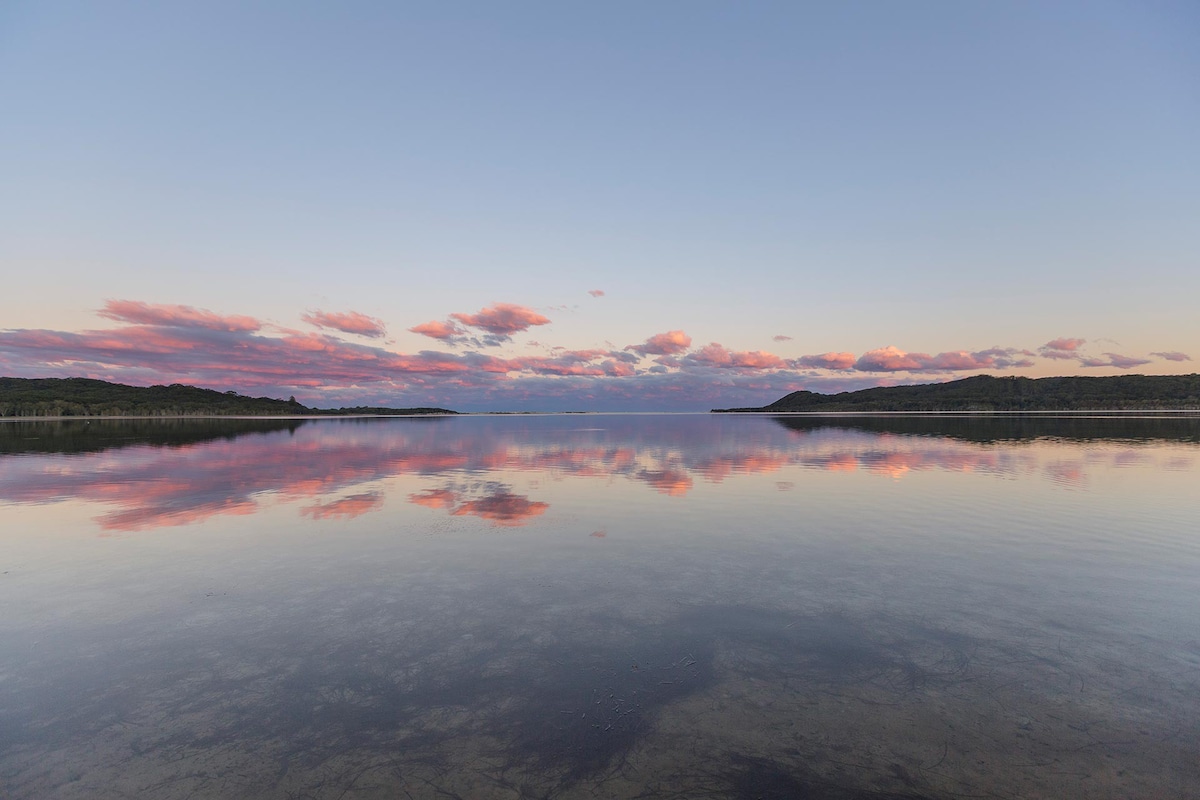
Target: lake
(601, 606)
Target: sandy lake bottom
(601, 606)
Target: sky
(607, 206)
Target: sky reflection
(150, 480)
(562, 596)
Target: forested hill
(987, 393)
(83, 397)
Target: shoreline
(89, 418)
(1097, 412)
(981, 412)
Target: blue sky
(925, 190)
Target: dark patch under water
(566, 713)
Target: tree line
(988, 393)
(85, 397)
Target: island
(85, 397)
(989, 393)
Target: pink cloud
(893, 359)
(782, 338)
(1064, 344)
(347, 322)
(179, 344)
(573, 362)
(1007, 357)
(503, 319)
(1114, 360)
(1062, 348)
(174, 316)
(596, 292)
(437, 330)
(889, 359)
(617, 369)
(958, 360)
(151, 354)
(826, 361)
(715, 355)
(663, 344)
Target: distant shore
(988, 394)
(86, 398)
(94, 418)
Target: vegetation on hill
(987, 393)
(83, 397)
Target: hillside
(987, 393)
(83, 397)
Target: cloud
(347, 322)
(1062, 348)
(1064, 344)
(1114, 360)
(438, 330)
(594, 363)
(489, 340)
(617, 369)
(1006, 357)
(323, 370)
(179, 344)
(235, 359)
(596, 292)
(663, 344)
(893, 359)
(502, 319)
(623, 355)
(889, 359)
(174, 316)
(782, 338)
(715, 355)
(826, 361)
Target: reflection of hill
(89, 436)
(1008, 428)
(195, 470)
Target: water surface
(587, 606)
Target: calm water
(601, 607)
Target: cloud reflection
(332, 470)
(346, 508)
(499, 505)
